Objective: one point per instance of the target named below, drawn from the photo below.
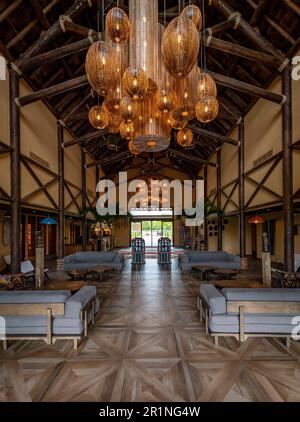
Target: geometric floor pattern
(148, 345)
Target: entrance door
(151, 231)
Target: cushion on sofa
(34, 296)
(275, 295)
(74, 305)
(214, 299)
(35, 325)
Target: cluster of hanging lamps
(149, 77)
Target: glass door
(147, 232)
(136, 229)
(167, 229)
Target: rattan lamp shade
(194, 13)
(115, 120)
(165, 99)
(185, 138)
(100, 67)
(135, 82)
(186, 95)
(98, 117)
(206, 85)
(127, 130)
(180, 46)
(117, 25)
(207, 109)
(128, 109)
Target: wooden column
(242, 195)
(219, 197)
(287, 171)
(205, 231)
(83, 186)
(61, 197)
(15, 174)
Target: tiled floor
(148, 345)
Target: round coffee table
(202, 270)
(226, 273)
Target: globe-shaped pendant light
(165, 100)
(206, 85)
(117, 25)
(185, 138)
(115, 120)
(127, 130)
(194, 13)
(98, 117)
(100, 67)
(135, 82)
(180, 46)
(128, 109)
(207, 109)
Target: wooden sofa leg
(75, 343)
(288, 342)
(5, 344)
(216, 341)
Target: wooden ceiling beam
(53, 90)
(240, 51)
(116, 158)
(259, 11)
(189, 157)
(245, 28)
(293, 6)
(220, 27)
(248, 88)
(85, 138)
(52, 33)
(213, 135)
(53, 55)
(8, 10)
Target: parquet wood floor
(148, 345)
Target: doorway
(152, 230)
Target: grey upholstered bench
(47, 315)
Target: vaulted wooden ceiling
(269, 28)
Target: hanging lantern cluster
(149, 77)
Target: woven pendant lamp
(98, 117)
(165, 100)
(100, 67)
(206, 85)
(207, 109)
(180, 46)
(135, 82)
(185, 138)
(133, 148)
(127, 130)
(128, 109)
(117, 25)
(194, 13)
(115, 120)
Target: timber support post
(219, 198)
(15, 173)
(242, 195)
(84, 201)
(205, 230)
(61, 197)
(287, 170)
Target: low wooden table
(225, 272)
(202, 270)
(244, 284)
(78, 274)
(73, 286)
(101, 270)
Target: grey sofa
(90, 260)
(47, 315)
(242, 313)
(207, 258)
